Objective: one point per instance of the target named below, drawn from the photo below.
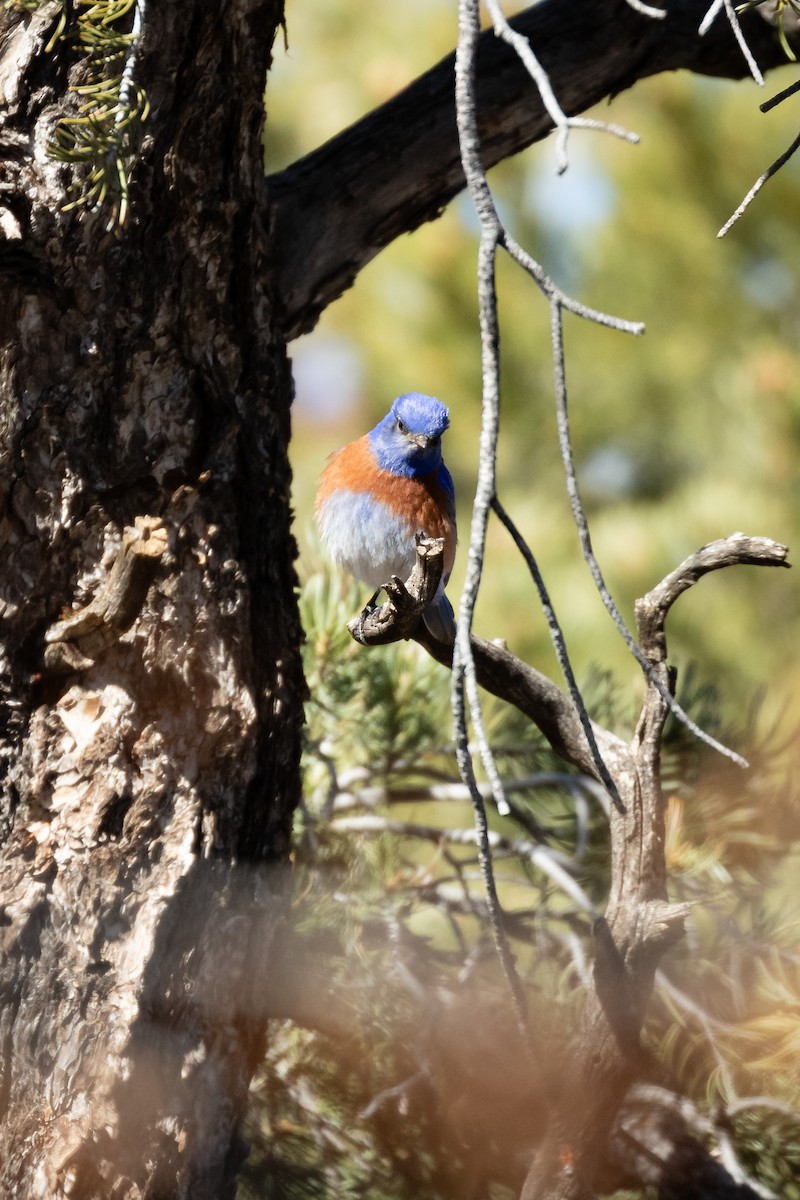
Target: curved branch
(338, 207)
(651, 613)
(535, 695)
(734, 551)
(497, 669)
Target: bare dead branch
(504, 675)
(779, 97)
(582, 525)
(736, 550)
(561, 121)
(508, 677)
(452, 791)
(399, 616)
(647, 10)
(639, 922)
(560, 647)
(759, 183)
(557, 297)
(538, 856)
(464, 682)
(730, 12)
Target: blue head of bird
(408, 441)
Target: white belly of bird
(365, 538)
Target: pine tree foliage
(412, 1080)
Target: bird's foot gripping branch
(400, 616)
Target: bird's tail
(440, 620)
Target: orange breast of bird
(421, 503)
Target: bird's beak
(421, 440)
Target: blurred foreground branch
(596, 1063)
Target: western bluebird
(376, 492)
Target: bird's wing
(445, 482)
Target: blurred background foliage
(681, 436)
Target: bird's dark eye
(401, 425)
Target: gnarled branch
(651, 613)
(400, 615)
(603, 1058)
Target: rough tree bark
(150, 743)
(141, 378)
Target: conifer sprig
(102, 139)
(779, 13)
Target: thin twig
(755, 70)
(558, 302)
(579, 516)
(554, 293)
(483, 497)
(560, 647)
(779, 98)
(562, 122)
(463, 661)
(538, 856)
(759, 183)
(733, 20)
(383, 795)
(647, 10)
(711, 15)
(491, 234)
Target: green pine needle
(102, 139)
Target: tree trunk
(150, 746)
